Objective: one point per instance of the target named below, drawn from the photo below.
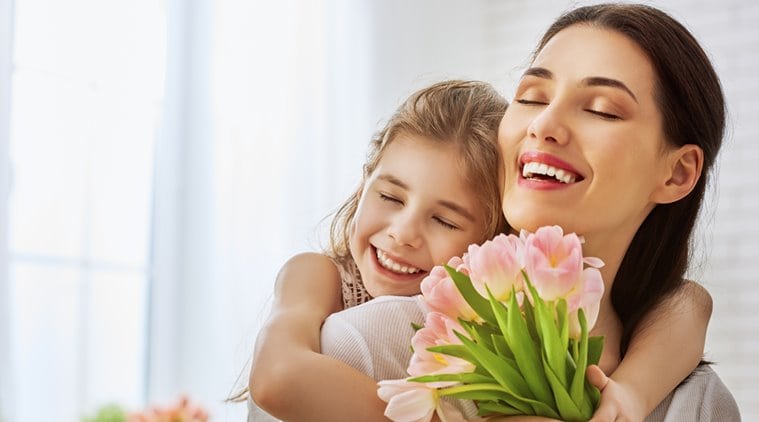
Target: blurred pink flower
(183, 411)
(498, 264)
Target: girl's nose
(405, 230)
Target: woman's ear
(684, 170)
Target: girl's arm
(289, 378)
(660, 356)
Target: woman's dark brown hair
(690, 99)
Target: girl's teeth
(389, 264)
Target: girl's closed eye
(447, 224)
(389, 198)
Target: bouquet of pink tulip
(507, 326)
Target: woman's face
(582, 140)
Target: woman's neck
(612, 252)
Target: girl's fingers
(596, 377)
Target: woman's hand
(618, 403)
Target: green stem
(472, 387)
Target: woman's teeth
(533, 168)
(391, 265)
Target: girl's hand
(618, 403)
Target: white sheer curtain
(245, 169)
(156, 263)
(86, 82)
(269, 110)
(6, 43)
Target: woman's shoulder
(703, 396)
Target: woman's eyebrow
(543, 73)
(538, 72)
(613, 83)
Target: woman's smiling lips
(540, 170)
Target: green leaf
(483, 391)
(595, 349)
(489, 408)
(455, 350)
(577, 388)
(482, 333)
(563, 321)
(478, 395)
(526, 352)
(529, 314)
(568, 410)
(553, 349)
(472, 297)
(501, 347)
(507, 376)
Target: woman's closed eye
(602, 114)
(525, 101)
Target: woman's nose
(550, 125)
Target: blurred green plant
(108, 413)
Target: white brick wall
(729, 32)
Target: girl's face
(415, 212)
(582, 140)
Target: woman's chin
(530, 219)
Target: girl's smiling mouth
(388, 263)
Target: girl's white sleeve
(374, 337)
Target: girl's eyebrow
(392, 179)
(457, 209)
(543, 73)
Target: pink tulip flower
(408, 401)
(415, 402)
(437, 331)
(441, 295)
(498, 265)
(589, 300)
(554, 262)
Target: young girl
(431, 187)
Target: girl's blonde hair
(465, 114)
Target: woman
(623, 101)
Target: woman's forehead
(583, 51)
